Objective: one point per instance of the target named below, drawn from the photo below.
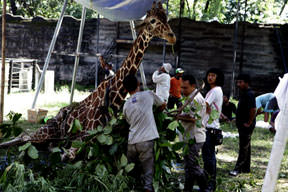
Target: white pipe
(52, 45)
(78, 49)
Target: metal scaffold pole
(47, 60)
(3, 61)
(78, 49)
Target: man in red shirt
(175, 89)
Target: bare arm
(185, 117)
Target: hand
(208, 108)
(162, 107)
(247, 124)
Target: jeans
(209, 159)
(244, 156)
(144, 153)
(193, 171)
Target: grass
(261, 145)
(262, 141)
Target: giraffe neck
(135, 56)
(129, 66)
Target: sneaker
(234, 173)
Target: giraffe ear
(160, 5)
(148, 13)
(154, 5)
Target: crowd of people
(169, 94)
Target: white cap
(167, 67)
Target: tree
(223, 11)
(45, 8)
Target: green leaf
(92, 132)
(96, 149)
(99, 128)
(113, 149)
(17, 131)
(173, 125)
(56, 150)
(192, 141)
(107, 130)
(181, 129)
(101, 138)
(110, 110)
(177, 146)
(167, 169)
(129, 167)
(113, 121)
(33, 152)
(24, 147)
(101, 170)
(213, 115)
(16, 117)
(77, 144)
(77, 165)
(185, 150)
(123, 160)
(199, 123)
(75, 127)
(120, 172)
(109, 140)
(90, 154)
(166, 144)
(157, 155)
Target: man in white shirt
(138, 111)
(162, 79)
(194, 131)
(214, 100)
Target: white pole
(3, 62)
(52, 45)
(280, 140)
(141, 69)
(78, 49)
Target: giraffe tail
(15, 141)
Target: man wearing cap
(175, 89)
(162, 79)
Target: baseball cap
(179, 70)
(167, 67)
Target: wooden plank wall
(203, 45)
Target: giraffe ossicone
(93, 110)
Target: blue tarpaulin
(119, 10)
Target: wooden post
(10, 76)
(33, 75)
(3, 61)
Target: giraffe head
(156, 24)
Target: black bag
(218, 137)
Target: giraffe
(92, 111)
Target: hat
(167, 67)
(179, 70)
